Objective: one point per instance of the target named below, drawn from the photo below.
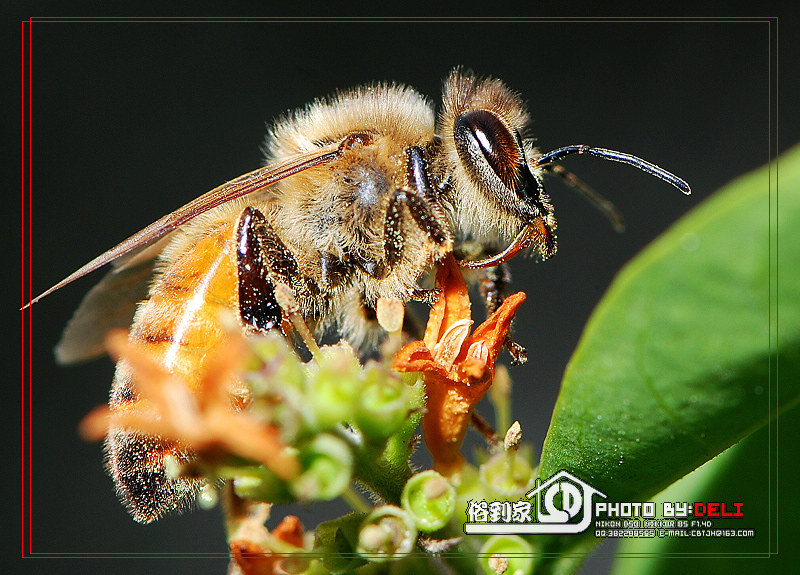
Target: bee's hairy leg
(426, 295)
(257, 304)
(422, 202)
(425, 207)
(494, 284)
(334, 271)
(420, 209)
(263, 261)
(417, 174)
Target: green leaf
(673, 367)
(740, 474)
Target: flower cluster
(279, 429)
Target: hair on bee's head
(496, 193)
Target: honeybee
(361, 195)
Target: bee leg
(417, 173)
(257, 304)
(373, 268)
(426, 295)
(424, 206)
(494, 284)
(424, 215)
(393, 240)
(264, 260)
(334, 271)
(422, 202)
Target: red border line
(26, 185)
(501, 19)
(22, 282)
(777, 284)
(769, 287)
(309, 555)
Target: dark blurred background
(131, 120)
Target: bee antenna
(602, 204)
(645, 166)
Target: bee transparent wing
(108, 305)
(241, 186)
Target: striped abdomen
(178, 325)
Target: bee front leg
(494, 284)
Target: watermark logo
(562, 504)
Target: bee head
(494, 192)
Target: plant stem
(355, 501)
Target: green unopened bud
(258, 483)
(385, 533)
(291, 566)
(334, 384)
(336, 542)
(430, 499)
(273, 364)
(508, 473)
(328, 467)
(502, 555)
(383, 405)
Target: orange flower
(254, 550)
(458, 368)
(206, 421)
(251, 558)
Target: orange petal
(289, 530)
(445, 423)
(251, 559)
(453, 303)
(494, 330)
(243, 436)
(416, 357)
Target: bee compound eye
(493, 138)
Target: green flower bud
(274, 363)
(334, 384)
(336, 541)
(328, 467)
(386, 532)
(502, 556)
(383, 404)
(430, 499)
(508, 473)
(258, 483)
